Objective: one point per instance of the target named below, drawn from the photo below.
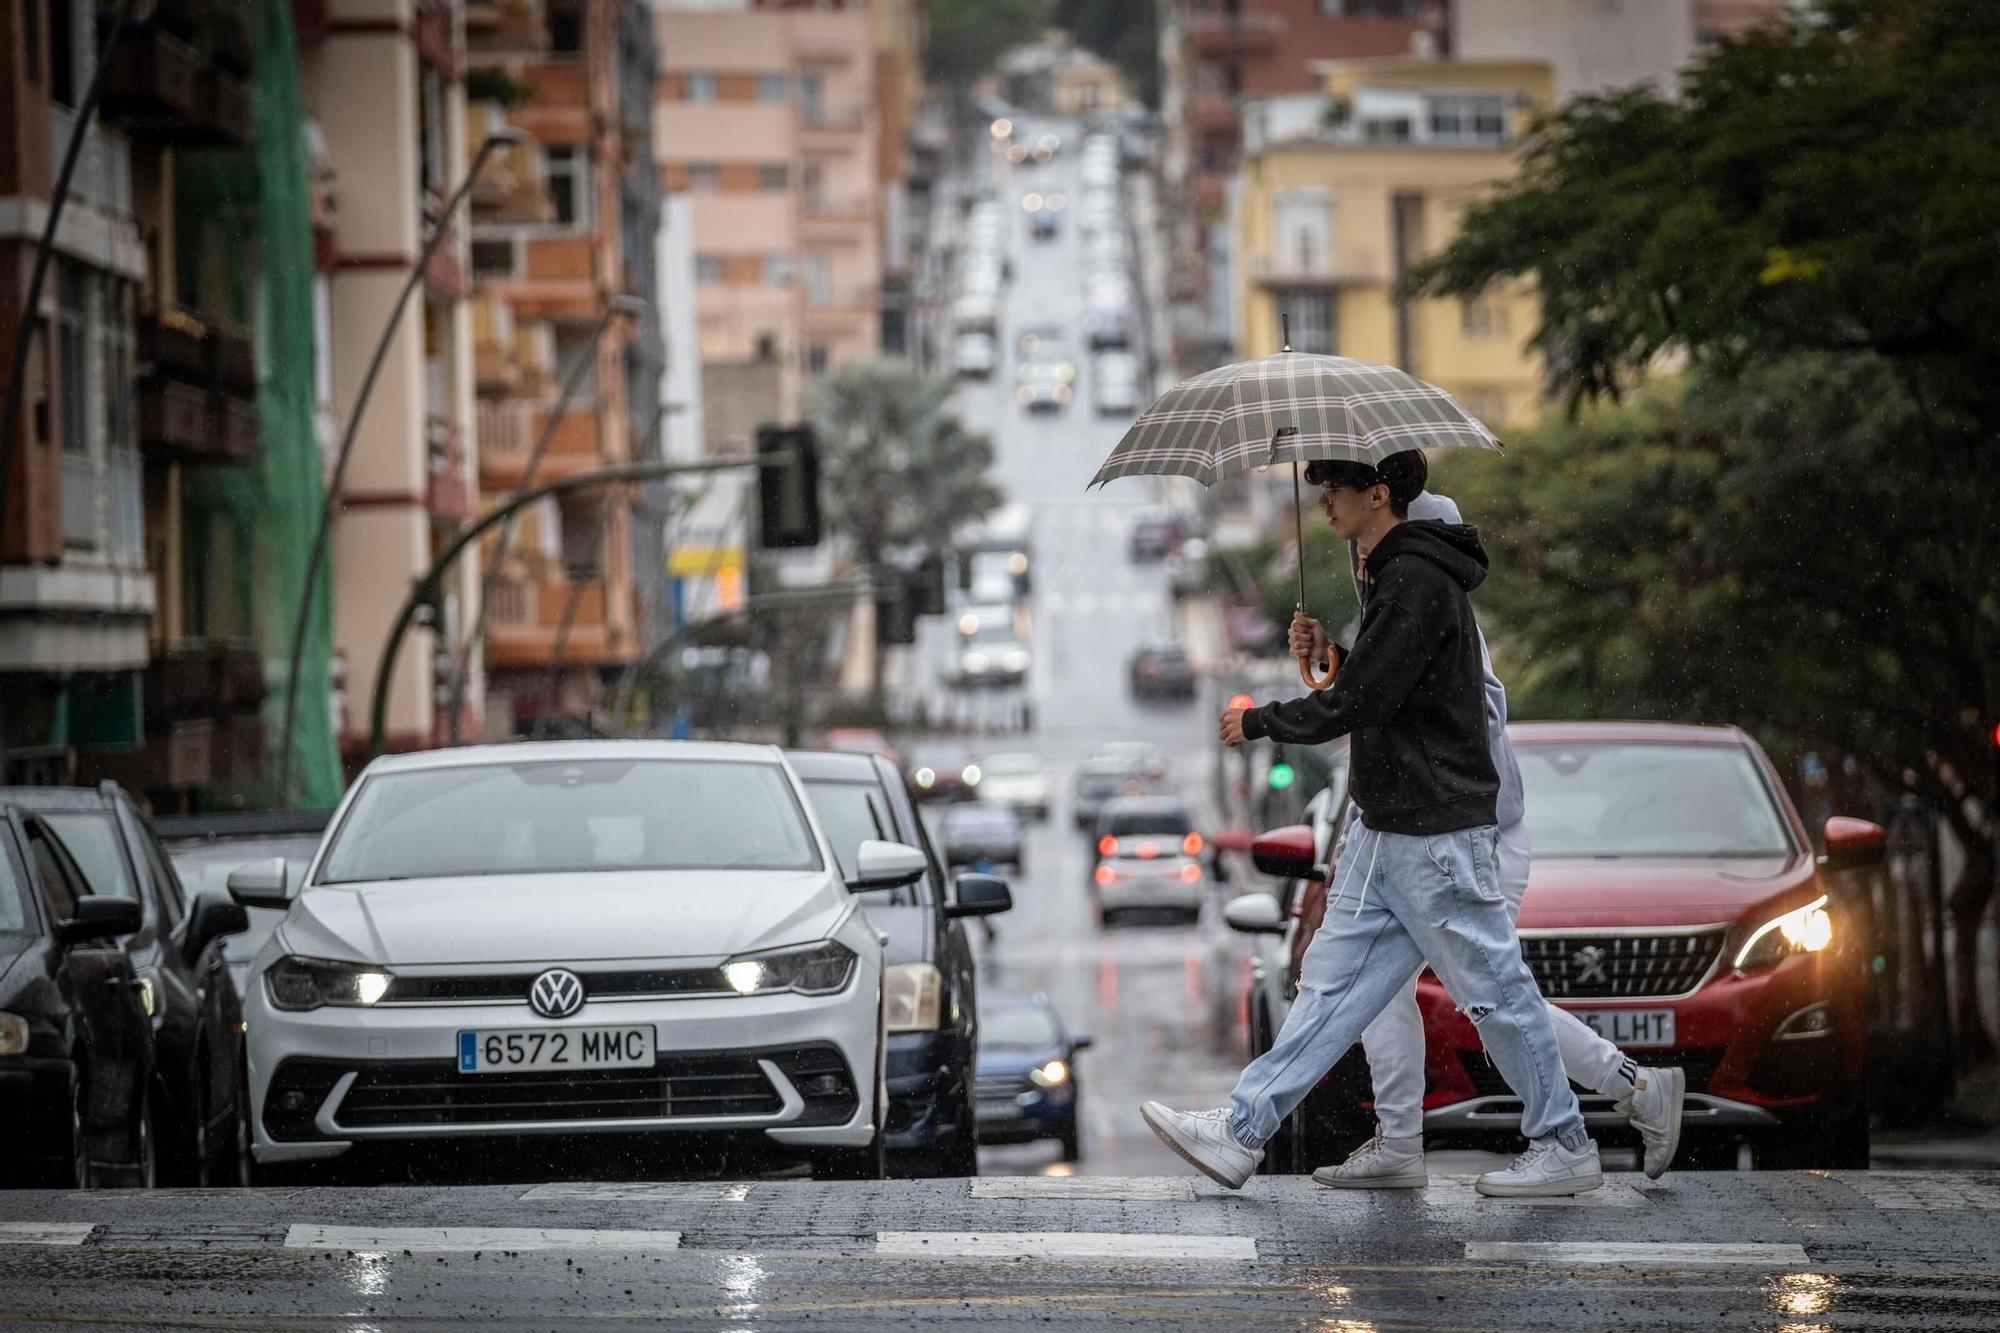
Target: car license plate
(507, 1051)
(1630, 1027)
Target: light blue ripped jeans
(1399, 901)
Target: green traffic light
(1282, 776)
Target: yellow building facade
(1338, 196)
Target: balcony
(1318, 266)
(226, 119)
(507, 435)
(152, 88)
(556, 85)
(104, 168)
(830, 126)
(446, 493)
(1217, 112)
(197, 390)
(836, 215)
(1222, 33)
(234, 40)
(835, 305)
(526, 620)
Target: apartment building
(768, 118)
(1332, 210)
(568, 376)
(76, 596)
(383, 80)
(1597, 45)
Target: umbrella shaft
(1299, 531)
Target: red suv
(1676, 905)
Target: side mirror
(1082, 1043)
(1255, 914)
(980, 895)
(212, 917)
(1854, 844)
(101, 919)
(263, 883)
(879, 865)
(1288, 853)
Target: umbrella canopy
(1291, 407)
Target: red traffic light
(1245, 701)
(1996, 733)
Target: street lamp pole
(424, 587)
(632, 307)
(316, 557)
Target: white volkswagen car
(577, 938)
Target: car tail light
(1190, 873)
(1105, 875)
(1148, 850)
(1107, 846)
(1191, 845)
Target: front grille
(435, 1093)
(999, 1087)
(1698, 1062)
(1620, 967)
(512, 987)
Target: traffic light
(787, 487)
(930, 585)
(895, 608)
(1281, 776)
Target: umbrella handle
(1313, 683)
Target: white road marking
(1060, 1245)
(45, 1233)
(645, 1191)
(1926, 1191)
(304, 1237)
(1457, 1190)
(1166, 1189)
(1637, 1254)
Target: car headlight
(13, 1034)
(1053, 1074)
(298, 984)
(1807, 929)
(972, 775)
(816, 969)
(912, 997)
(1018, 661)
(926, 778)
(975, 662)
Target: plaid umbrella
(1293, 407)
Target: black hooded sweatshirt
(1410, 691)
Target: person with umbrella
(1650, 1099)
(1422, 867)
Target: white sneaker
(1655, 1111)
(1203, 1139)
(1546, 1171)
(1379, 1164)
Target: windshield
(553, 816)
(1018, 1027)
(14, 917)
(851, 813)
(92, 838)
(1648, 800)
(1147, 821)
(204, 868)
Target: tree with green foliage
(1124, 32)
(1808, 540)
(962, 38)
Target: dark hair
(1405, 474)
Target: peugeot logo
(1588, 962)
(556, 994)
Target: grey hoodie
(1511, 806)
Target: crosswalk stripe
(1162, 1189)
(1637, 1254)
(305, 1237)
(45, 1233)
(644, 1191)
(1060, 1245)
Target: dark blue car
(1027, 1082)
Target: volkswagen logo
(556, 994)
(1587, 961)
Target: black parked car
(205, 848)
(928, 978)
(76, 1047)
(197, 1099)
(1162, 671)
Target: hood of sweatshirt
(1452, 547)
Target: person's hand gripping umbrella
(1294, 407)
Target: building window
(779, 270)
(1468, 119)
(568, 182)
(704, 177)
(31, 37)
(73, 356)
(493, 258)
(816, 359)
(770, 87)
(708, 270)
(1311, 314)
(812, 104)
(64, 76)
(576, 354)
(1371, 9)
(116, 354)
(431, 145)
(565, 26)
(1484, 317)
(773, 178)
(698, 86)
(767, 347)
(1300, 231)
